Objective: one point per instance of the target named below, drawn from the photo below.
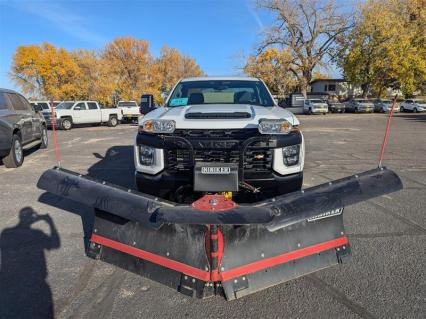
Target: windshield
(65, 105)
(316, 101)
(220, 92)
(127, 104)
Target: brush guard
(216, 246)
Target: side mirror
(37, 108)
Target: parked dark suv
(21, 127)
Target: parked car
(46, 105)
(384, 106)
(336, 107)
(130, 110)
(315, 106)
(359, 106)
(413, 106)
(21, 127)
(69, 113)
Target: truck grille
(257, 157)
(232, 134)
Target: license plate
(216, 170)
(215, 177)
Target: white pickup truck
(130, 110)
(70, 113)
(219, 134)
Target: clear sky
(217, 33)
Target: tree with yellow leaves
(172, 65)
(45, 71)
(273, 66)
(95, 82)
(387, 46)
(130, 66)
(124, 68)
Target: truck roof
(221, 78)
(80, 101)
(7, 91)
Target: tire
(66, 124)
(356, 110)
(113, 121)
(44, 139)
(415, 110)
(16, 154)
(310, 111)
(401, 109)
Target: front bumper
(336, 109)
(164, 183)
(259, 160)
(319, 110)
(364, 109)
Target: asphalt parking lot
(386, 277)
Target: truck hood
(219, 116)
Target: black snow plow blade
(216, 246)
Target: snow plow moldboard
(216, 246)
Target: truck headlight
(274, 126)
(159, 126)
(146, 155)
(291, 155)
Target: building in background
(335, 87)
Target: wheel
(324, 113)
(44, 138)
(310, 111)
(112, 121)
(66, 124)
(415, 110)
(16, 155)
(356, 110)
(401, 109)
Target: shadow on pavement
(24, 292)
(417, 117)
(115, 167)
(86, 213)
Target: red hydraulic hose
(382, 150)
(55, 144)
